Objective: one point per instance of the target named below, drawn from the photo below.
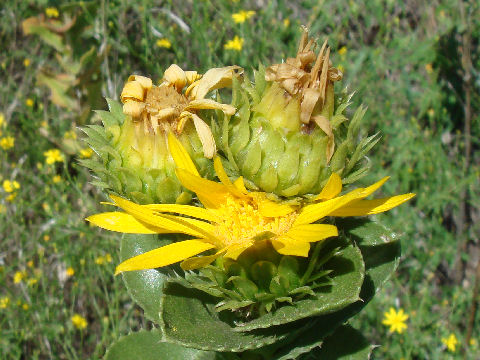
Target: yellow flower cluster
(242, 16)
(86, 153)
(11, 188)
(4, 302)
(19, 276)
(7, 142)
(101, 260)
(52, 156)
(451, 342)
(52, 12)
(235, 44)
(164, 43)
(79, 321)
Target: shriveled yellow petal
(215, 78)
(312, 232)
(175, 76)
(310, 99)
(314, 212)
(133, 90)
(193, 211)
(180, 155)
(235, 250)
(223, 177)
(286, 246)
(201, 261)
(143, 80)
(370, 207)
(133, 108)
(331, 189)
(166, 255)
(149, 217)
(205, 135)
(192, 76)
(210, 193)
(209, 104)
(324, 124)
(240, 185)
(122, 222)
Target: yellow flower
(396, 320)
(100, 260)
(46, 238)
(342, 50)
(29, 102)
(429, 68)
(164, 43)
(52, 156)
(79, 321)
(25, 306)
(56, 179)
(51, 12)
(7, 142)
(19, 276)
(451, 342)
(108, 258)
(86, 153)
(70, 271)
(286, 22)
(71, 134)
(4, 302)
(10, 186)
(167, 107)
(235, 44)
(26, 62)
(2, 120)
(242, 16)
(233, 218)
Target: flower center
(242, 222)
(165, 97)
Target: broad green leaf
(148, 345)
(188, 317)
(145, 286)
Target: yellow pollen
(242, 222)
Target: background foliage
(415, 64)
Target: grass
(407, 61)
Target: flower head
(168, 107)
(233, 219)
(242, 16)
(451, 342)
(10, 186)
(7, 142)
(52, 156)
(79, 321)
(52, 12)
(235, 44)
(164, 43)
(396, 320)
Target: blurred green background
(415, 64)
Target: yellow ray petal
(207, 104)
(180, 155)
(369, 207)
(133, 108)
(204, 228)
(235, 250)
(205, 135)
(215, 78)
(175, 76)
(149, 217)
(210, 193)
(193, 211)
(331, 189)
(286, 246)
(312, 232)
(270, 208)
(222, 175)
(132, 90)
(143, 80)
(372, 188)
(314, 212)
(122, 222)
(240, 185)
(201, 261)
(166, 255)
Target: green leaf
(348, 278)
(148, 345)
(145, 286)
(188, 317)
(335, 346)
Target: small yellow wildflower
(56, 179)
(473, 343)
(164, 43)
(11, 197)
(7, 142)
(451, 342)
(29, 102)
(108, 258)
(342, 51)
(26, 62)
(70, 271)
(30, 263)
(52, 12)
(71, 134)
(242, 16)
(19, 276)
(52, 156)
(86, 153)
(341, 68)
(235, 44)
(4, 302)
(429, 68)
(2, 120)
(286, 22)
(100, 260)
(25, 306)
(46, 238)
(431, 112)
(10, 186)
(44, 124)
(396, 320)
(79, 321)
(32, 281)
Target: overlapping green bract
(284, 162)
(137, 165)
